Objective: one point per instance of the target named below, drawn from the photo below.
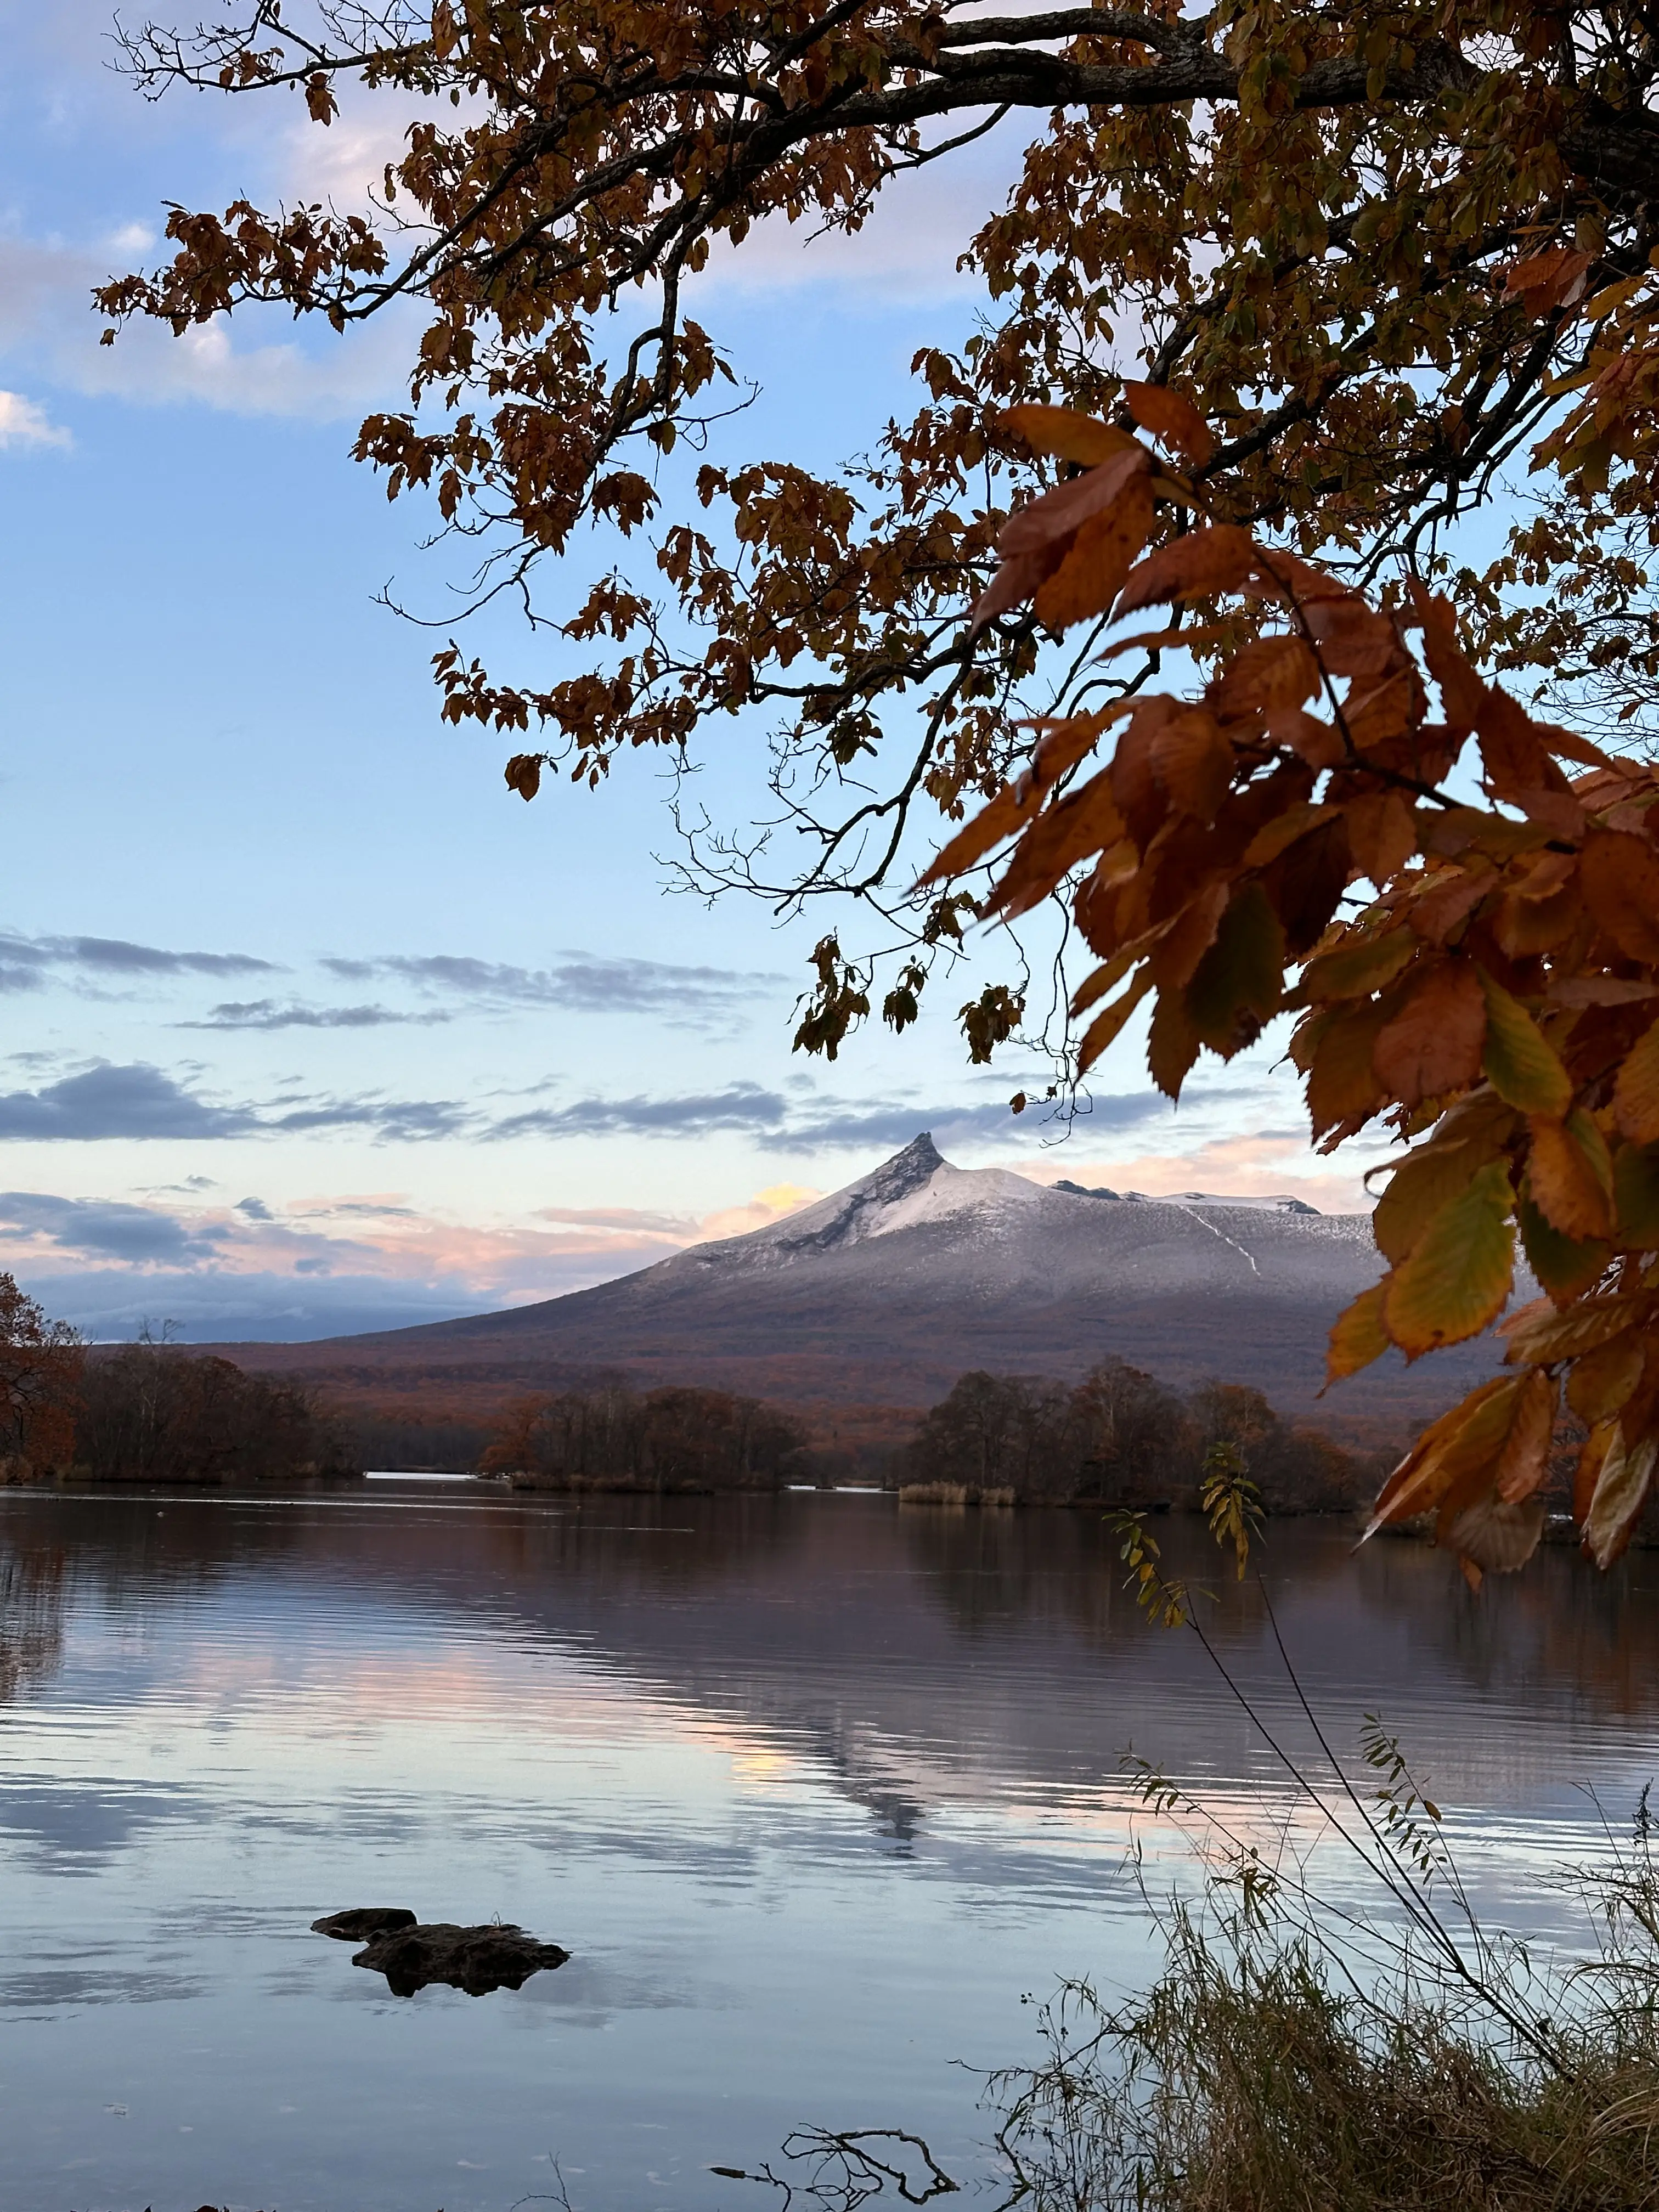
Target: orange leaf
(1557, 278)
(1172, 419)
(1222, 558)
(1068, 505)
(1091, 577)
(1432, 1045)
(1524, 1460)
(1067, 434)
(1382, 835)
(1570, 1174)
(1600, 1383)
(1195, 763)
(1358, 1336)
(1421, 1478)
(1618, 878)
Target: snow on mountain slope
(883, 1294)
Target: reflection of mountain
(913, 1658)
(885, 1292)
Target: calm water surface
(813, 1788)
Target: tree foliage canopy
(1343, 266)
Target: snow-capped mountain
(883, 1294)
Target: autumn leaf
(1567, 1266)
(1458, 1276)
(1618, 878)
(1524, 1460)
(1171, 419)
(1636, 1094)
(1621, 1492)
(1602, 1382)
(1194, 762)
(1091, 577)
(1570, 1176)
(1358, 1336)
(1108, 1024)
(1236, 987)
(1636, 1197)
(1068, 435)
(1521, 1066)
(1205, 563)
(1433, 1044)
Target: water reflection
(812, 1788)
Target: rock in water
(362, 1922)
(497, 1956)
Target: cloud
(268, 1014)
(1263, 1165)
(581, 982)
(46, 318)
(105, 1228)
(22, 423)
(26, 962)
(105, 1101)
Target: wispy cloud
(272, 1014)
(578, 982)
(27, 963)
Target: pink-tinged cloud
(1236, 1167)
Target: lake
(814, 1789)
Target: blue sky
(310, 1025)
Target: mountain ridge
(879, 1295)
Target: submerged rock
(497, 1956)
(362, 1922)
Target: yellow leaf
(1521, 1066)
(1636, 1095)
(1423, 1183)
(1460, 1270)
(1357, 1335)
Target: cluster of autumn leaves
(1463, 913)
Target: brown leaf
(1601, 1384)
(1083, 823)
(1618, 878)
(1220, 559)
(1091, 577)
(1513, 749)
(1539, 1336)
(1432, 1045)
(1382, 835)
(1321, 745)
(1621, 1492)
(1195, 763)
(1636, 1094)
(1493, 1537)
(1449, 897)
(1558, 277)
(1236, 987)
(1524, 1460)
(1265, 675)
(1636, 1197)
(1016, 582)
(1478, 1424)
(524, 775)
(1570, 1174)
(1172, 419)
(1068, 505)
(1172, 1043)
(1108, 1024)
(1306, 882)
(1351, 639)
(1342, 1082)
(1462, 692)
